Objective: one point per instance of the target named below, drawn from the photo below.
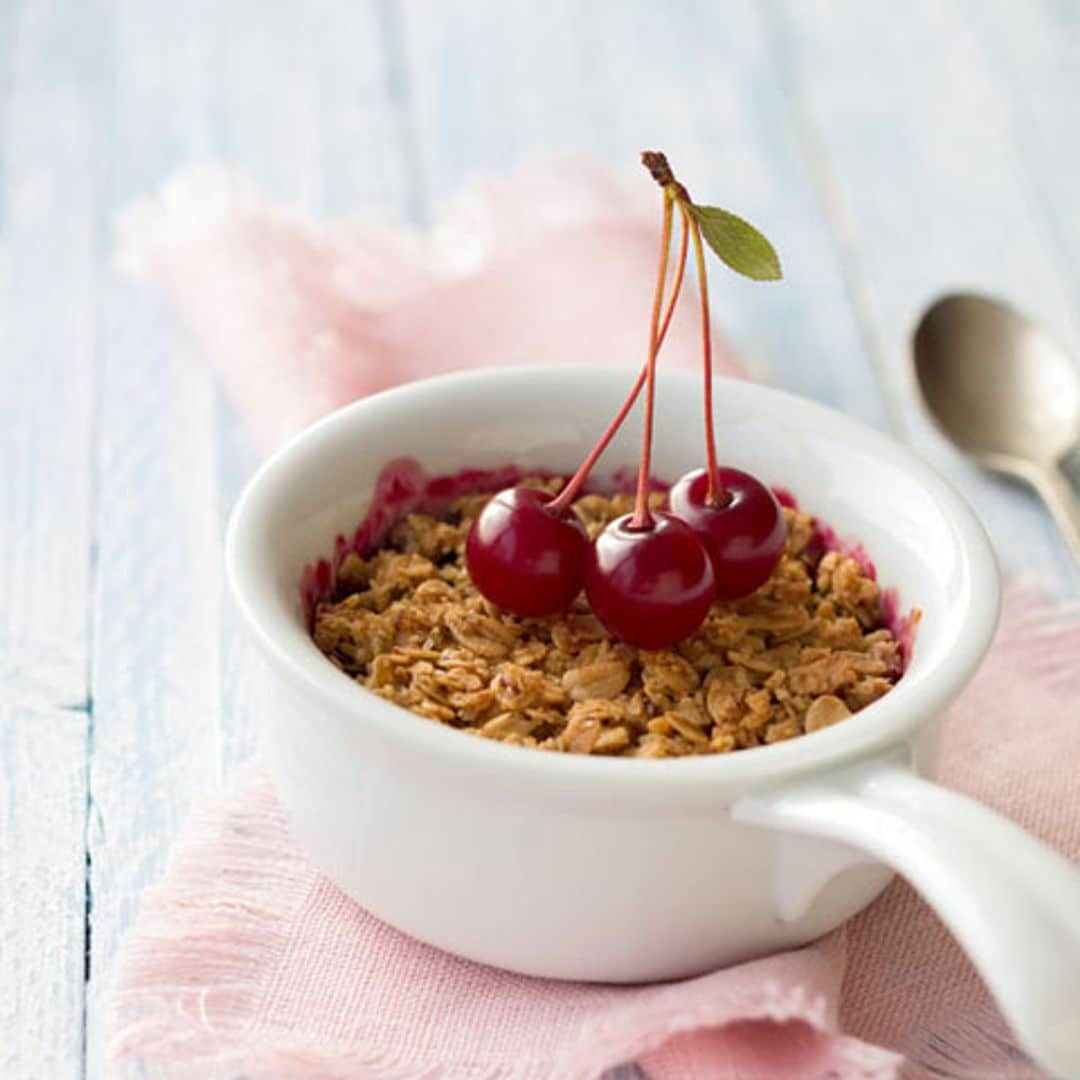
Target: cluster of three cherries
(650, 577)
(651, 586)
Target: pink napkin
(555, 265)
(244, 960)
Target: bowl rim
(883, 724)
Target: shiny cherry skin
(525, 558)
(744, 530)
(650, 587)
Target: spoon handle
(1058, 494)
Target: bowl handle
(1013, 904)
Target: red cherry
(649, 586)
(524, 556)
(743, 530)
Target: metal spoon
(1005, 391)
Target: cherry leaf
(738, 243)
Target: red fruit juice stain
(401, 488)
(824, 538)
(903, 626)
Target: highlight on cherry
(650, 576)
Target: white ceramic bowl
(625, 870)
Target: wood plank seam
(1020, 113)
(831, 201)
(399, 93)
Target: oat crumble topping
(803, 652)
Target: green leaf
(738, 243)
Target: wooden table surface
(893, 151)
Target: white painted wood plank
(304, 103)
(156, 745)
(914, 151)
(42, 891)
(48, 250)
(238, 663)
(1034, 49)
(492, 84)
(9, 15)
(169, 667)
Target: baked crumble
(804, 651)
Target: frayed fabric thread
(196, 974)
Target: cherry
(651, 587)
(525, 555)
(742, 528)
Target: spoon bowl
(1005, 391)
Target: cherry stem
(569, 493)
(713, 491)
(642, 518)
